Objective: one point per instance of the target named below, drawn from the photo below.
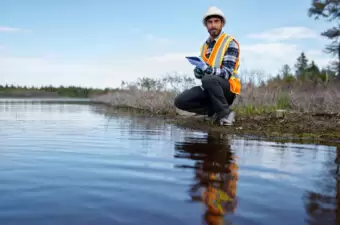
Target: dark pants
(215, 98)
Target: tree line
(62, 91)
(304, 72)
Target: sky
(99, 43)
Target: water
(70, 164)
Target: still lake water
(70, 164)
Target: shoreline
(291, 125)
(304, 126)
(320, 127)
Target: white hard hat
(213, 11)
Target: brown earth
(292, 125)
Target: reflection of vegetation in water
(216, 175)
(323, 206)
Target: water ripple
(69, 164)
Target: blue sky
(99, 43)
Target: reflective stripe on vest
(216, 58)
(217, 54)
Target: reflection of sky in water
(276, 164)
(88, 152)
(290, 157)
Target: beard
(214, 32)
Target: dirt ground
(320, 128)
(291, 125)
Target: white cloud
(11, 29)
(269, 57)
(45, 71)
(285, 33)
(50, 70)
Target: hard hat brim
(214, 15)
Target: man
(219, 81)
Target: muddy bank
(318, 127)
(291, 125)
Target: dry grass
(155, 102)
(326, 101)
(312, 99)
(253, 100)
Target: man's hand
(199, 74)
(208, 70)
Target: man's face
(214, 26)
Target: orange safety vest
(216, 57)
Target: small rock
(280, 113)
